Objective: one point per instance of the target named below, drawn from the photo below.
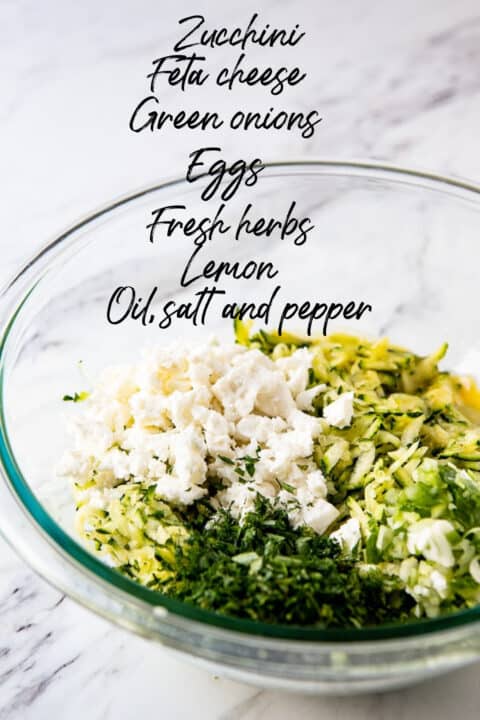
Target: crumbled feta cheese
(259, 428)
(305, 398)
(316, 483)
(339, 413)
(185, 414)
(474, 569)
(320, 515)
(439, 583)
(348, 534)
(295, 368)
(428, 537)
(253, 382)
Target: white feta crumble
(348, 534)
(320, 515)
(474, 569)
(295, 368)
(305, 398)
(439, 583)
(186, 414)
(428, 537)
(339, 413)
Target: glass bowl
(404, 242)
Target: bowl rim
(53, 539)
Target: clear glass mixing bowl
(404, 242)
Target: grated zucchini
(406, 469)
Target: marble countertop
(393, 81)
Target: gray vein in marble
(397, 313)
(244, 708)
(27, 695)
(419, 296)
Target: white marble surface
(394, 81)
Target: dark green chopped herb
(76, 397)
(264, 570)
(285, 486)
(248, 462)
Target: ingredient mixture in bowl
(325, 482)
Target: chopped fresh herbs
(250, 462)
(264, 570)
(76, 397)
(285, 486)
(260, 569)
(245, 464)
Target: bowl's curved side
(336, 668)
(304, 659)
